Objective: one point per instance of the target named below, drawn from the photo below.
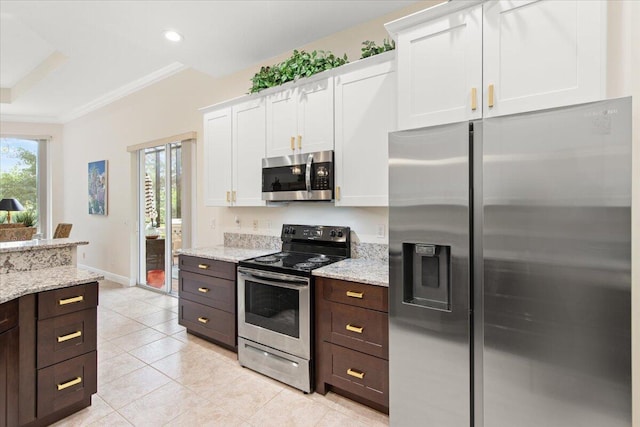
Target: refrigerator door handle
(427, 281)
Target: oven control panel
(327, 233)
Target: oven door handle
(274, 279)
(308, 172)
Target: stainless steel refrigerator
(510, 270)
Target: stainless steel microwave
(298, 177)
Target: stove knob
(340, 233)
(332, 233)
(292, 230)
(287, 230)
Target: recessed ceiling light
(173, 36)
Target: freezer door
(557, 267)
(429, 355)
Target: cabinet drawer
(356, 294)
(67, 300)
(356, 328)
(66, 383)
(210, 267)
(63, 337)
(360, 374)
(8, 315)
(212, 291)
(213, 323)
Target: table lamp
(10, 205)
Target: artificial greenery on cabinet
(369, 48)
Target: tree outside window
(19, 174)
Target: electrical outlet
(212, 225)
(269, 225)
(255, 224)
(381, 230)
(82, 255)
(236, 219)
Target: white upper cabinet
(234, 145)
(543, 54)
(300, 119)
(365, 112)
(249, 136)
(439, 66)
(469, 59)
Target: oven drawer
(363, 375)
(63, 337)
(356, 294)
(208, 267)
(8, 315)
(212, 291)
(67, 300)
(211, 322)
(357, 328)
(66, 383)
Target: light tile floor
(152, 373)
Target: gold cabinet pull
(474, 99)
(71, 383)
(338, 193)
(203, 266)
(233, 196)
(356, 329)
(71, 300)
(490, 96)
(203, 320)
(353, 294)
(203, 290)
(70, 336)
(228, 196)
(300, 142)
(354, 373)
(293, 143)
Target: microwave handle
(308, 172)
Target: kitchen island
(48, 332)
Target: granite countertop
(14, 285)
(370, 271)
(226, 253)
(35, 245)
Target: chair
(62, 231)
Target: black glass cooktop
(291, 262)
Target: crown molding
(123, 91)
(29, 119)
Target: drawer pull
(71, 383)
(203, 266)
(490, 96)
(355, 294)
(293, 143)
(474, 99)
(354, 373)
(71, 300)
(203, 320)
(203, 290)
(357, 329)
(300, 142)
(70, 336)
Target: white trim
(125, 90)
(126, 281)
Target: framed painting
(98, 186)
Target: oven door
(274, 310)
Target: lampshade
(10, 205)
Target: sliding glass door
(161, 201)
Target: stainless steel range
(275, 302)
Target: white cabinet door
(543, 54)
(282, 122)
(439, 65)
(315, 117)
(249, 134)
(365, 114)
(217, 157)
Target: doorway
(162, 207)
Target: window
(23, 177)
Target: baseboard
(123, 280)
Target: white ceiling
(61, 59)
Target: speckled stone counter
(14, 285)
(37, 254)
(362, 270)
(226, 253)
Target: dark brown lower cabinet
(48, 360)
(352, 341)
